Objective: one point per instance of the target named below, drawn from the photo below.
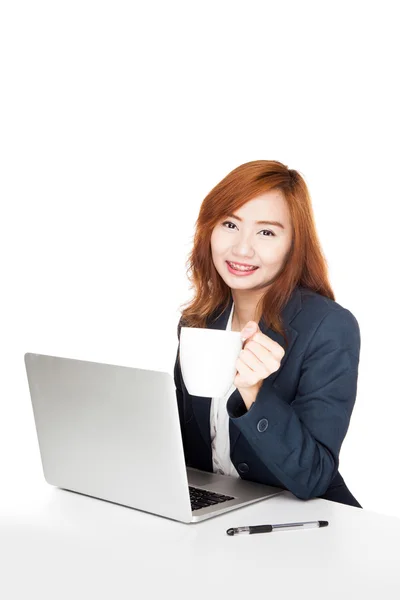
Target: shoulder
(319, 306)
(326, 319)
(309, 299)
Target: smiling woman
(260, 214)
(257, 262)
(243, 242)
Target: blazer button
(262, 425)
(243, 467)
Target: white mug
(208, 358)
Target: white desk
(58, 544)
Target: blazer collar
(201, 405)
(289, 312)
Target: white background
(117, 118)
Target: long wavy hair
(305, 264)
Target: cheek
(217, 243)
(273, 257)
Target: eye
(267, 230)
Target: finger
(251, 361)
(269, 361)
(247, 374)
(268, 343)
(250, 329)
(261, 352)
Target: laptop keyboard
(200, 498)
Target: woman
(284, 419)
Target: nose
(243, 249)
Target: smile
(236, 270)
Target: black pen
(279, 527)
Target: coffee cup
(208, 358)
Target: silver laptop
(113, 433)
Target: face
(244, 241)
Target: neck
(243, 312)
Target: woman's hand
(259, 357)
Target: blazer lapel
(202, 405)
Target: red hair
(305, 264)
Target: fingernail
(246, 333)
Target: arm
(302, 440)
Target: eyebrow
(260, 222)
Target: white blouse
(219, 426)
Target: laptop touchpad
(197, 478)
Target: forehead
(271, 205)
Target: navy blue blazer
(292, 434)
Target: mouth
(236, 269)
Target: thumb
(250, 329)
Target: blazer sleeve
(300, 441)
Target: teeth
(239, 268)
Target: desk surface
(60, 544)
